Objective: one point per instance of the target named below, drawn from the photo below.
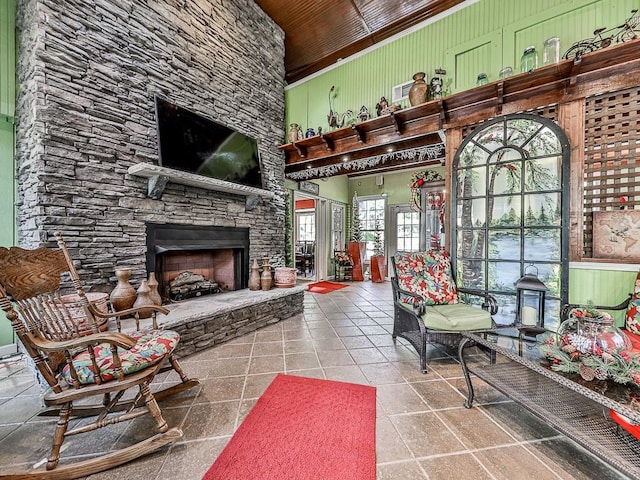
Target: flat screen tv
(196, 144)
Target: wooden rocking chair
(78, 361)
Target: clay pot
(143, 299)
(254, 276)
(123, 295)
(285, 277)
(419, 90)
(153, 286)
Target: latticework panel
(612, 147)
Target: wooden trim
(452, 142)
(571, 118)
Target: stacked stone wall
(88, 72)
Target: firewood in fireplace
(189, 284)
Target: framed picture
(309, 187)
(616, 234)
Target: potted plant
(356, 246)
(378, 262)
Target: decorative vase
(144, 299)
(293, 133)
(378, 268)
(123, 295)
(153, 286)
(265, 278)
(254, 276)
(285, 277)
(591, 334)
(419, 90)
(356, 251)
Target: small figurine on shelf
(436, 85)
(310, 133)
(382, 105)
(319, 130)
(363, 115)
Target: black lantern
(530, 293)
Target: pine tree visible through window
(510, 211)
(371, 219)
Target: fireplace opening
(199, 260)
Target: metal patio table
(580, 410)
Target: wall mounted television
(193, 143)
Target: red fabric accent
(635, 340)
(304, 428)
(325, 287)
(629, 427)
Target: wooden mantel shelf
(159, 176)
(609, 69)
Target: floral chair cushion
(151, 347)
(632, 317)
(427, 274)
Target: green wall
(7, 112)
(483, 37)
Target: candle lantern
(530, 300)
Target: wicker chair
(428, 310)
(78, 360)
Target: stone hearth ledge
(203, 322)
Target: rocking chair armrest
(489, 303)
(119, 339)
(418, 305)
(129, 312)
(567, 307)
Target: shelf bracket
(573, 74)
(359, 133)
(442, 118)
(396, 122)
(302, 151)
(500, 97)
(156, 186)
(328, 142)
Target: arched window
(511, 210)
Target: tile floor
(423, 430)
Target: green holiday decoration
(288, 230)
(356, 232)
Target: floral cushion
(427, 274)
(151, 347)
(632, 317)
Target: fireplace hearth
(218, 254)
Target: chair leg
(58, 436)
(153, 407)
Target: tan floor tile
(367, 355)
(409, 470)
(273, 363)
(514, 463)
(301, 361)
(356, 342)
(474, 428)
(267, 348)
(439, 394)
(350, 374)
(400, 398)
(425, 434)
(256, 384)
(455, 467)
(220, 389)
(299, 346)
(335, 358)
(389, 444)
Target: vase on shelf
(254, 276)
(143, 299)
(419, 90)
(293, 133)
(265, 279)
(123, 295)
(153, 286)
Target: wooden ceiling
(320, 32)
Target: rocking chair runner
(79, 361)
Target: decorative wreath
(418, 179)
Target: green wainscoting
(602, 287)
(483, 36)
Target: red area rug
(325, 287)
(304, 428)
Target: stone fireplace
(220, 254)
(88, 74)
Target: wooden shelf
(609, 69)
